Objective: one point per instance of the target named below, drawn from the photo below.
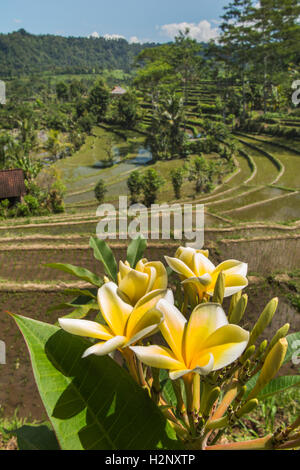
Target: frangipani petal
(169, 297)
(233, 284)
(157, 356)
(152, 318)
(114, 310)
(151, 273)
(185, 254)
(226, 334)
(202, 265)
(227, 353)
(204, 252)
(140, 265)
(232, 266)
(134, 284)
(205, 319)
(176, 374)
(124, 269)
(172, 327)
(201, 281)
(148, 302)
(179, 267)
(102, 349)
(204, 364)
(86, 328)
(148, 331)
(226, 345)
(161, 276)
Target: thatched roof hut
(12, 185)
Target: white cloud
(203, 31)
(16, 20)
(131, 40)
(134, 40)
(94, 35)
(113, 36)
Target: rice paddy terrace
(263, 188)
(254, 216)
(254, 211)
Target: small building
(12, 185)
(118, 91)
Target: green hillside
(24, 53)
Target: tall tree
(186, 59)
(236, 39)
(98, 100)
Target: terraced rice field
(271, 194)
(263, 188)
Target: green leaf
(279, 384)
(103, 253)
(251, 383)
(77, 271)
(82, 310)
(167, 388)
(169, 271)
(135, 250)
(92, 403)
(85, 292)
(36, 438)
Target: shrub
(135, 186)
(100, 191)
(4, 205)
(22, 209)
(177, 177)
(151, 183)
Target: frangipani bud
(247, 407)
(241, 394)
(261, 349)
(263, 321)
(281, 333)
(247, 354)
(271, 366)
(263, 346)
(219, 289)
(217, 423)
(234, 300)
(239, 310)
(212, 397)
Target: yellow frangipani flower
(205, 343)
(195, 267)
(125, 324)
(146, 277)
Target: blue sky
(136, 20)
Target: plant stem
(227, 400)
(188, 383)
(196, 394)
(262, 443)
(130, 360)
(155, 386)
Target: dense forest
(23, 53)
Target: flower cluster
(201, 368)
(141, 304)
